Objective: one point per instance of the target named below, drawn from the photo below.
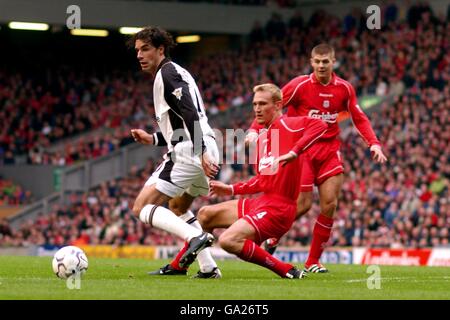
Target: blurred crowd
(38, 112)
(101, 216)
(412, 52)
(12, 194)
(404, 203)
(85, 148)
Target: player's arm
(363, 126)
(313, 130)
(141, 136)
(218, 188)
(249, 187)
(176, 91)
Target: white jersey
(179, 108)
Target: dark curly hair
(154, 36)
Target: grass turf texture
(32, 278)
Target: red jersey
(285, 135)
(306, 96)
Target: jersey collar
(163, 62)
(313, 78)
(276, 120)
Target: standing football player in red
(323, 95)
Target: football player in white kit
(192, 156)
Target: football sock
(255, 254)
(321, 235)
(175, 262)
(164, 219)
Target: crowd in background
(39, 111)
(404, 203)
(12, 194)
(403, 54)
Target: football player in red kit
(279, 169)
(322, 95)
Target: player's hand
(141, 136)
(218, 188)
(284, 159)
(210, 167)
(377, 154)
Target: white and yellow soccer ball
(69, 261)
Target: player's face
(265, 108)
(323, 66)
(149, 57)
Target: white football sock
(205, 259)
(166, 220)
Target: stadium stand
(35, 114)
(402, 204)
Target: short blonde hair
(277, 95)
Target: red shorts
(271, 215)
(320, 162)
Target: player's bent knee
(175, 208)
(205, 216)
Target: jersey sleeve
(176, 90)
(249, 187)
(158, 139)
(313, 130)
(360, 119)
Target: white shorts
(182, 172)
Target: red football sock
(175, 262)
(255, 254)
(321, 234)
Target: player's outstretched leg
(236, 240)
(255, 254)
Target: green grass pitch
(32, 278)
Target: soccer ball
(69, 261)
